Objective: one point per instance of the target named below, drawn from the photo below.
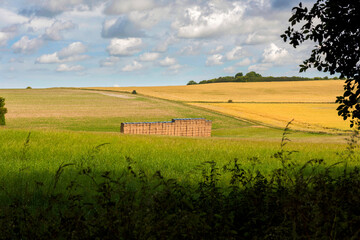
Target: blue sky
(79, 43)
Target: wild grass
(309, 199)
(175, 157)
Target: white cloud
(218, 49)
(244, 62)
(209, 21)
(150, 17)
(74, 48)
(175, 67)
(38, 24)
(6, 34)
(71, 53)
(261, 67)
(8, 17)
(26, 45)
(69, 68)
(230, 69)
(163, 46)
(132, 67)
(121, 27)
(257, 38)
(191, 49)
(126, 6)
(274, 54)
(149, 56)
(167, 62)
(216, 59)
(109, 61)
(235, 54)
(125, 47)
(54, 31)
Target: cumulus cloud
(261, 67)
(211, 20)
(8, 17)
(71, 53)
(109, 61)
(150, 17)
(259, 38)
(216, 59)
(167, 62)
(7, 33)
(244, 62)
(51, 8)
(69, 68)
(164, 44)
(26, 45)
(124, 47)
(54, 32)
(218, 49)
(149, 56)
(121, 27)
(235, 53)
(125, 6)
(191, 49)
(274, 54)
(132, 67)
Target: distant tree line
(256, 77)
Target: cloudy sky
(51, 43)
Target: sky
(80, 43)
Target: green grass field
(67, 124)
(175, 157)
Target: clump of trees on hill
(256, 77)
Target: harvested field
(303, 91)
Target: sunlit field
(310, 117)
(309, 103)
(304, 91)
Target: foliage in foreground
(293, 202)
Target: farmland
(64, 163)
(67, 123)
(309, 103)
(304, 91)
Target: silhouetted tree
(335, 28)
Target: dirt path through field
(118, 95)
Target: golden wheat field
(309, 103)
(307, 116)
(303, 91)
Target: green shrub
(3, 111)
(28, 87)
(230, 101)
(133, 92)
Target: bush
(28, 87)
(3, 111)
(133, 92)
(230, 101)
(192, 82)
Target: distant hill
(256, 77)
